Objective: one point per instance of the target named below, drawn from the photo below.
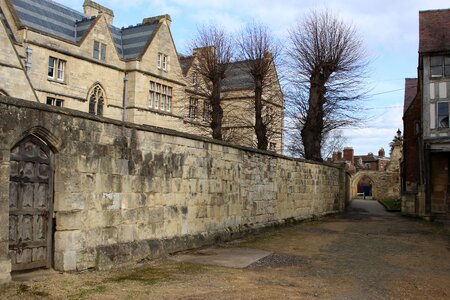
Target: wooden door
(30, 205)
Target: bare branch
(327, 68)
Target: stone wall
(124, 192)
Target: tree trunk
(217, 111)
(260, 127)
(313, 128)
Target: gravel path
(361, 254)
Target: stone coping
(83, 115)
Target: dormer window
(163, 61)
(439, 66)
(99, 51)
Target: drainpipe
(125, 97)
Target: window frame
(151, 96)
(55, 101)
(163, 62)
(58, 69)
(102, 52)
(207, 111)
(443, 66)
(99, 51)
(96, 50)
(193, 108)
(440, 121)
(160, 96)
(97, 100)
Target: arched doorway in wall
(31, 204)
(364, 186)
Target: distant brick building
(356, 163)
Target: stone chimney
(348, 154)
(93, 9)
(381, 152)
(165, 19)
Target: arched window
(96, 100)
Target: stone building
(237, 97)
(375, 176)
(426, 164)
(82, 61)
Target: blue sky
(388, 28)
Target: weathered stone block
(69, 220)
(66, 260)
(126, 233)
(69, 201)
(68, 240)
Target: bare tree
(327, 70)
(213, 51)
(332, 141)
(258, 51)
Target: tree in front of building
(258, 51)
(213, 50)
(327, 68)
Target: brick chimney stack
(381, 152)
(348, 154)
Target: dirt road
(362, 254)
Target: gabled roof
(434, 33)
(410, 92)
(185, 63)
(60, 21)
(236, 78)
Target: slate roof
(60, 21)
(410, 92)
(237, 78)
(434, 33)
(185, 63)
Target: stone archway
(364, 186)
(364, 183)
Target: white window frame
(169, 99)
(163, 61)
(55, 102)
(160, 96)
(57, 68)
(61, 69)
(159, 60)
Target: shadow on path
(369, 207)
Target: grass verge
(391, 204)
